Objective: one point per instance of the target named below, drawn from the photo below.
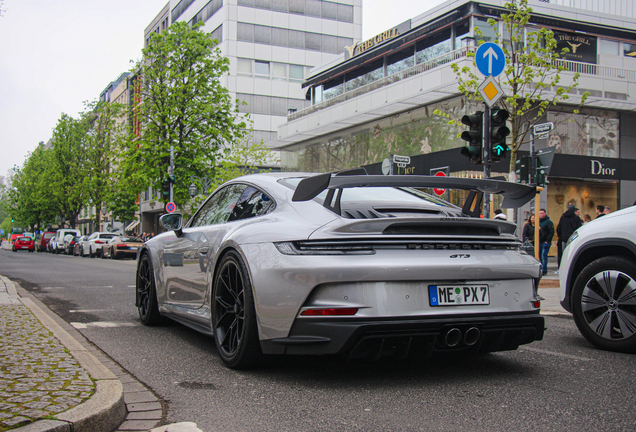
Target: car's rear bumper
(408, 336)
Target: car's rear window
(107, 236)
(131, 239)
(22, 239)
(49, 235)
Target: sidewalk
(48, 381)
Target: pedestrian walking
(500, 215)
(607, 210)
(600, 209)
(568, 223)
(586, 218)
(528, 230)
(545, 238)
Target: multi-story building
(380, 97)
(271, 46)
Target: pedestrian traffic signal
(165, 189)
(498, 134)
(474, 136)
(522, 169)
(172, 179)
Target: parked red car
(23, 243)
(43, 240)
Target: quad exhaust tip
(454, 336)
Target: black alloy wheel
(233, 314)
(604, 303)
(147, 294)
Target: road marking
(132, 286)
(103, 324)
(557, 354)
(90, 310)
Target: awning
(132, 225)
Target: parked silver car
(367, 266)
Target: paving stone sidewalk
(39, 378)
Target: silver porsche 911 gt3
(362, 265)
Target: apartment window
(263, 4)
(488, 32)
(245, 32)
(297, 7)
(180, 8)
(312, 8)
(292, 38)
(608, 47)
(461, 31)
(263, 34)
(279, 71)
(400, 61)
(629, 49)
(280, 5)
(330, 10)
(345, 13)
(296, 72)
(217, 34)
(433, 46)
(244, 66)
(261, 68)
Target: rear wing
(515, 194)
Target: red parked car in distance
(43, 240)
(23, 243)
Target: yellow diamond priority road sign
(490, 91)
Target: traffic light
(540, 177)
(474, 137)
(172, 179)
(522, 169)
(165, 189)
(498, 134)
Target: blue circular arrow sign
(490, 59)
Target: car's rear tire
(233, 314)
(604, 303)
(102, 254)
(147, 294)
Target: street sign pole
(486, 157)
(171, 170)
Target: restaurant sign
(582, 48)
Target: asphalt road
(560, 383)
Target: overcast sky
(54, 55)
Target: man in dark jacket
(545, 238)
(568, 223)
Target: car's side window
(219, 207)
(252, 202)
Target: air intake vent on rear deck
(362, 214)
(440, 230)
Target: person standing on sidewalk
(568, 223)
(545, 238)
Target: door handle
(203, 251)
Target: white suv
(57, 242)
(93, 246)
(598, 280)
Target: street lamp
(192, 190)
(205, 182)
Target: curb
(104, 410)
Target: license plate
(133, 248)
(458, 295)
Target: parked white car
(598, 280)
(93, 246)
(57, 242)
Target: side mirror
(172, 221)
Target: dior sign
(599, 169)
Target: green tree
(183, 106)
(29, 196)
(67, 170)
(104, 126)
(532, 70)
